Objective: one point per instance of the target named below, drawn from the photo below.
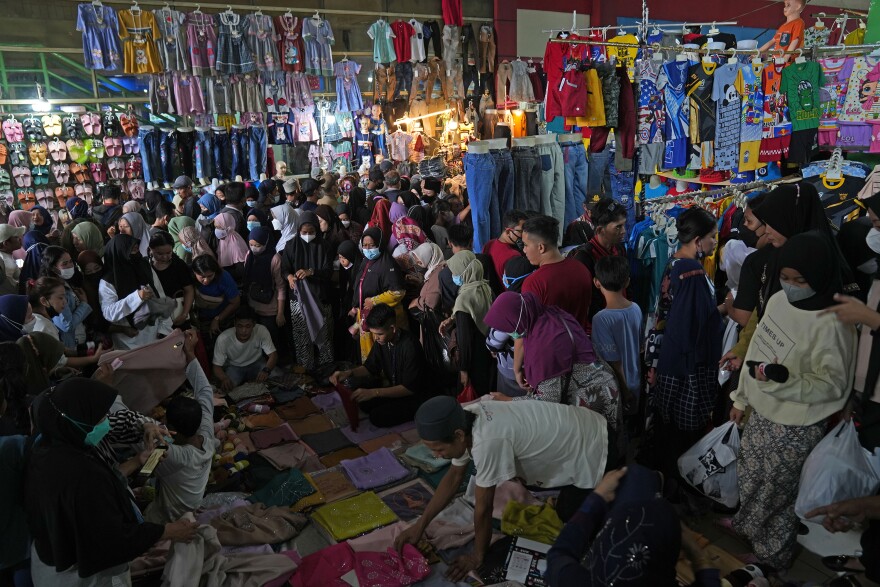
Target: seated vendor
(398, 359)
(239, 352)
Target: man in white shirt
(183, 473)
(238, 352)
(10, 241)
(545, 444)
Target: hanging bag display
(710, 465)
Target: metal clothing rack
(658, 26)
(681, 48)
(722, 191)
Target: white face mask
(873, 240)
(276, 224)
(257, 250)
(308, 237)
(67, 273)
(346, 223)
(869, 267)
(220, 233)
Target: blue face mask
(97, 432)
(187, 249)
(515, 335)
(253, 225)
(251, 203)
(458, 280)
(372, 254)
(509, 282)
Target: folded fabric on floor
(294, 455)
(267, 399)
(535, 522)
(411, 436)
(388, 569)
(333, 484)
(374, 470)
(504, 493)
(378, 540)
(297, 409)
(391, 441)
(205, 516)
(247, 390)
(354, 516)
(409, 500)
(366, 431)
(257, 524)
(222, 498)
(273, 436)
(285, 489)
(337, 456)
(326, 442)
(421, 456)
(259, 421)
(315, 499)
(338, 416)
(312, 425)
(327, 401)
(453, 527)
(434, 479)
(284, 396)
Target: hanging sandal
(45, 198)
(137, 188)
(61, 171)
(77, 151)
(111, 125)
(12, 130)
(4, 154)
(113, 146)
(133, 168)
(33, 129)
(58, 151)
(22, 176)
(94, 149)
(129, 124)
(41, 175)
(5, 180)
(130, 145)
(51, 125)
(80, 172)
(37, 153)
(99, 172)
(18, 154)
(116, 168)
(62, 193)
(71, 128)
(26, 197)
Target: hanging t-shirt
(626, 56)
(652, 115)
(383, 45)
(816, 37)
(800, 84)
(417, 43)
(403, 34)
(751, 92)
(788, 33)
(727, 127)
(702, 105)
(860, 90)
(671, 82)
(776, 134)
(837, 72)
(839, 198)
(856, 37)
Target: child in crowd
(617, 328)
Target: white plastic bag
(839, 468)
(710, 465)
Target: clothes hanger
(732, 59)
(289, 13)
(317, 16)
(820, 24)
(259, 11)
(135, 9)
(198, 9)
(713, 31)
(800, 57)
(97, 4)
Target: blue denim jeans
(167, 149)
(623, 191)
(504, 186)
(574, 160)
(257, 155)
(148, 143)
(245, 374)
(222, 145)
(203, 149)
(600, 178)
(240, 145)
(404, 74)
(479, 171)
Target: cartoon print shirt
(652, 113)
(833, 94)
(857, 90)
(728, 103)
(800, 84)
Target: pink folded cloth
(273, 436)
(293, 455)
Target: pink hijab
(232, 249)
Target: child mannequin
(790, 35)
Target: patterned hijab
(431, 256)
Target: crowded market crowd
(526, 360)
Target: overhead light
(452, 124)
(41, 104)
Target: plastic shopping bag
(710, 465)
(838, 468)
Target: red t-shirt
(567, 284)
(403, 32)
(500, 253)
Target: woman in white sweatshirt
(800, 370)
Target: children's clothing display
(99, 27)
(139, 31)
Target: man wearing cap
(10, 241)
(544, 444)
(309, 189)
(109, 212)
(183, 187)
(291, 191)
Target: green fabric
(434, 478)
(354, 516)
(474, 295)
(285, 489)
(535, 522)
(91, 237)
(422, 457)
(175, 225)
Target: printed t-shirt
(800, 84)
(702, 104)
(626, 56)
(837, 72)
(727, 128)
(751, 91)
(652, 115)
(788, 33)
(671, 82)
(816, 37)
(776, 135)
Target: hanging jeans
(258, 148)
(504, 75)
(222, 147)
(419, 86)
(185, 146)
(487, 49)
(574, 160)
(436, 71)
(527, 185)
(148, 144)
(203, 154)
(623, 191)
(479, 171)
(404, 73)
(470, 76)
(504, 188)
(386, 82)
(167, 148)
(552, 182)
(599, 183)
(240, 145)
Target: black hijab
(84, 400)
(258, 267)
(298, 254)
(357, 202)
(812, 254)
(122, 270)
(376, 276)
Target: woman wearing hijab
(378, 281)
(210, 206)
(263, 284)
(471, 305)
(380, 219)
(357, 203)
(284, 221)
(57, 263)
(175, 226)
(500, 342)
(331, 229)
(800, 367)
(352, 230)
(232, 250)
(268, 195)
(43, 221)
(257, 218)
(125, 288)
(193, 244)
(131, 206)
(406, 232)
(306, 264)
(685, 344)
(84, 235)
(133, 225)
(77, 208)
(151, 201)
(82, 519)
(428, 258)
(33, 243)
(861, 259)
(348, 258)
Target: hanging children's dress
(347, 90)
(261, 41)
(288, 31)
(138, 31)
(318, 37)
(98, 25)
(233, 53)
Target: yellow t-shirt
(625, 55)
